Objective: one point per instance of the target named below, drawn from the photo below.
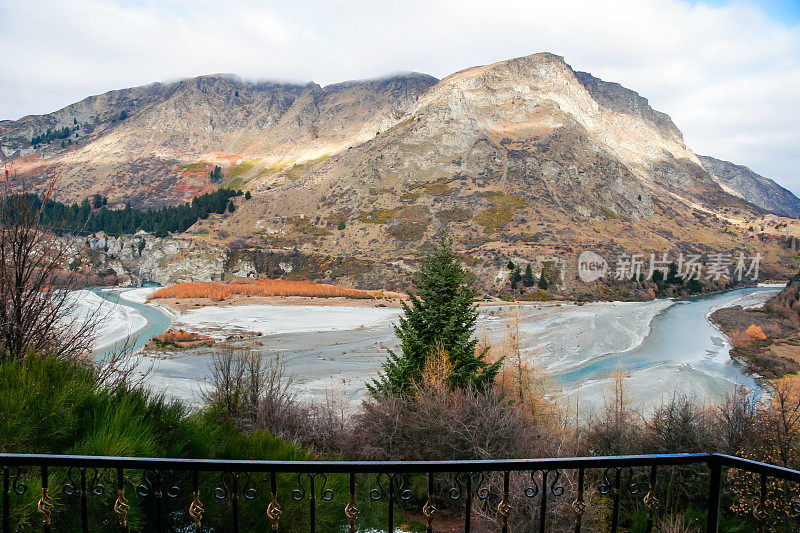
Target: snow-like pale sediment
(115, 322)
(139, 295)
(564, 337)
(220, 322)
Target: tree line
(93, 215)
(50, 135)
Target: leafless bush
(442, 424)
(255, 392)
(35, 283)
(678, 425)
(616, 429)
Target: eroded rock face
(143, 257)
(757, 189)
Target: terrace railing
(71, 483)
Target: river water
(664, 347)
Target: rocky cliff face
(524, 159)
(155, 145)
(757, 189)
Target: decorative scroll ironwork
(45, 506)
(121, 508)
(651, 503)
(555, 486)
(325, 494)
(196, 510)
(19, 487)
(401, 482)
(428, 510)
(351, 512)
(224, 490)
(606, 486)
(464, 479)
(504, 509)
(153, 482)
(533, 489)
(71, 487)
(556, 489)
(274, 512)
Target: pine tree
(528, 280)
(442, 313)
(516, 277)
(543, 283)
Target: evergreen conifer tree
(528, 280)
(441, 313)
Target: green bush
(52, 406)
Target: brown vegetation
(263, 287)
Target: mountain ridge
(523, 156)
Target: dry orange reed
(262, 287)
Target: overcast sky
(728, 73)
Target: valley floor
(331, 350)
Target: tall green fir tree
(442, 312)
(528, 280)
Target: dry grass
(264, 287)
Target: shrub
(264, 287)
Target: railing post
(6, 502)
(714, 490)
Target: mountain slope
(175, 133)
(761, 191)
(524, 159)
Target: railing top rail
(377, 467)
(352, 466)
(758, 467)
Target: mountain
(172, 135)
(757, 189)
(525, 159)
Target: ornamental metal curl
(274, 512)
(153, 482)
(532, 490)
(630, 484)
(97, 488)
(463, 479)
(351, 512)
(196, 511)
(605, 485)
(71, 486)
(325, 494)
(248, 492)
(504, 509)
(121, 508)
(795, 506)
(45, 506)
(299, 493)
(651, 503)
(19, 487)
(223, 491)
(556, 489)
(428, 510)
(399, 482)
(376, 493)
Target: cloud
(727, 74)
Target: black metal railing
(76, 483)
